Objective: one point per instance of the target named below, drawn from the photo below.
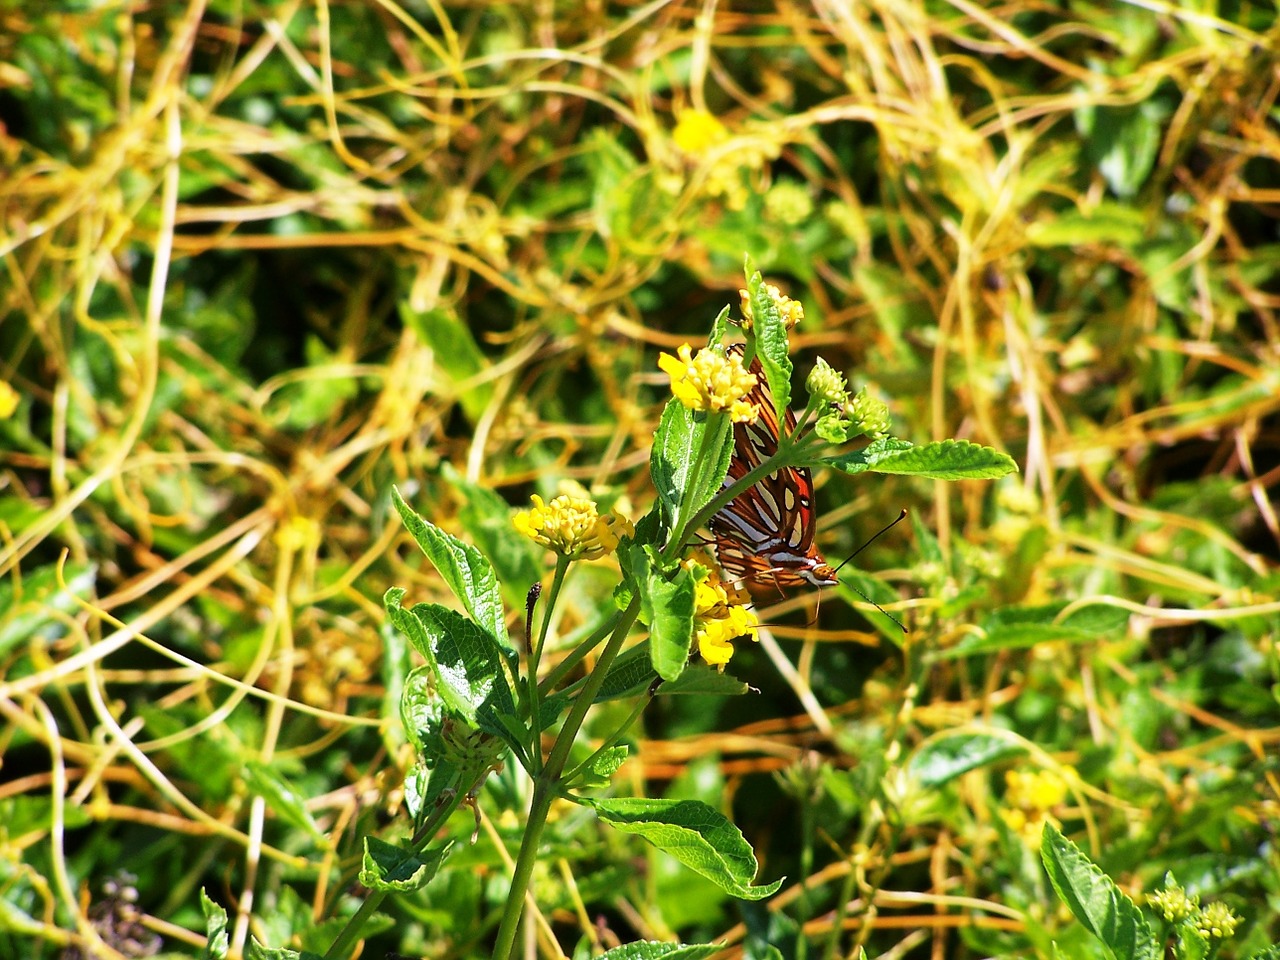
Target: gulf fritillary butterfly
(764, 535)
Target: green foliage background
(263, 260)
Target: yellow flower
(1029, 798)
(792, 310)
(697, 131)
(711, 381)
(572, 527)
(720, 614)
(8, 400)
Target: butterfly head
(819, 574)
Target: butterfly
(764, 535)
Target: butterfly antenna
(883, 530)
(876, 536)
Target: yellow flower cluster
(792, 310)
(711, 381)
(1029, 797)
(720, 614)
(827, 384)
(572, 527)
(698, 134)
(697, 131)
(1173, 903)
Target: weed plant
(265, 263)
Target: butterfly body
(765, 535)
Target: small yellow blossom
(711, 381)
(572, 527)
(792, 311)
(1029, 798)
(869, 414)
(1216, 921)
(788, 203)
(826, 384)
(720, 614)
(1173, 903)
(8, 400)
(697, 131)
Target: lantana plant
(479, 702)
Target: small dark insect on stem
(530, 604)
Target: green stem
(535, 655)
(341, 945)
(612, 739)
(565, 666)
(547, 784)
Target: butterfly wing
(766, 533)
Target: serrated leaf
(719, 328)
(695, 834)
(464, 568)
(254, 950)
(682, 436)
(771, 342)
(606, 764)
(217, 939)
(393, 869)
(486, 518)
(1095, 900)
(944, 460)
(466, 662)
(940, 761)
(658, 950)
(281, 798)
(666, 604)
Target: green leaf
(38, 605)
(256, 951)
(602, 768)
(1109, 224)
(944, 460)
(771, 341)
(1095, 900)
(424, 716)
(630, 675)
(719, 329)
(390, 868)
(1193, 944)
(1122, 141)
(456, 354)
(667, 606)
(469, 575)
(1015, 628)
(283, 800)
(695, 834)
(682, 437)
(940, 761)
(466, 662)
(486, 519)
(217, 940)
(703, 680)
(658, 950)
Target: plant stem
(535, 655)
(351, 929)
(546, 785)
